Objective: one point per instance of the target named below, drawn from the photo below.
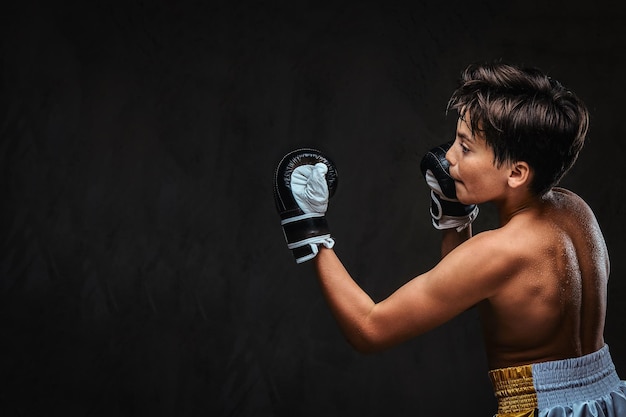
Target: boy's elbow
(367, 341)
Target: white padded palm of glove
(309, 188)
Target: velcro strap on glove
(304, 233)
(300, 228)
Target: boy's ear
(520, 174)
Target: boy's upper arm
(467, 275)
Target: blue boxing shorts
(587, 386)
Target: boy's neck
(517, 204)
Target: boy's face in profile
(473, 168)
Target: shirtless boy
(539, 280)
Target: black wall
(142, 266)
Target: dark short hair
(524, 115)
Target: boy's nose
(450, 154)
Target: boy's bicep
(458, 282)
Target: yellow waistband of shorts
(515, 390)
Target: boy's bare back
(552, 304)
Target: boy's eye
(464, 148)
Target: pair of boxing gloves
(305, 180)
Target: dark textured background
(143, 270)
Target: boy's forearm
(451, 239)
(349, 304)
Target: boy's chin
(467, 200)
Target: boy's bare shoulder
(518, 244)
(571, 211)
(564, 199)
(498, 254)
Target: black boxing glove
(304, 181)
(446, 211)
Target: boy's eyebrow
(466, 137)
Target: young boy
(539, 281)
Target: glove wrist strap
(304, 232)
(307, 250)
(304, 228)
(458, 222)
